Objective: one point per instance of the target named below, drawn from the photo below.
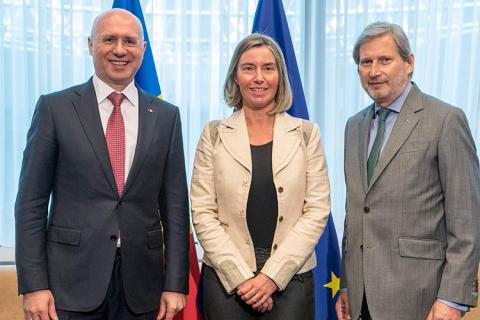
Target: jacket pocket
(63, 235)
(154, 239)
(421, 248)
(414, 146)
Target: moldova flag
(147, 79)
(146, 76)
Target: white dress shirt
(129, 109)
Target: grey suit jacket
(68, 210)
(412, 235)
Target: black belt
(262, 255)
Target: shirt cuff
(457, 306)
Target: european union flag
(146, 76)
(270, 19)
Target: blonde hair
(231, 90)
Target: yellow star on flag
(334, 284)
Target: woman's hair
(231, 90)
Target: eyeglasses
(126, 42)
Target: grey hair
(378, 29)
(231, 90)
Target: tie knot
(116, 98)
(383, 113)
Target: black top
(262, 206)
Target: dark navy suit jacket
(68, 210)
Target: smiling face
(382, 71)
(257, 78)
(117, 48)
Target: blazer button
(366, 209)
(113, 237)
(361, 247)
(280, 219)
(280, 189)
(275, 247)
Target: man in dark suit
(412, 225)
(106, 160)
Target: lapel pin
(150, 110)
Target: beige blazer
(221, 180)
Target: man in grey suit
(102, 208)
(411, 239)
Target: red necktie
(116, 140)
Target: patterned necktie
(116, 140)
(377, 144)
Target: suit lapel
(147, 117)
(286, 140)
(364, 138)
(407, 121)
(86, 106)
(234, 136)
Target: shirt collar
(397, 105)
(103, 90)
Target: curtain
(43, 48)
(444, 37)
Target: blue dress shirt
(395, 107)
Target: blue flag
(270, 20)
(146, 76)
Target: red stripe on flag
(190, 312)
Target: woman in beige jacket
(260, 195)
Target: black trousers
(295, 302)
(365, 314)
(114, 307)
